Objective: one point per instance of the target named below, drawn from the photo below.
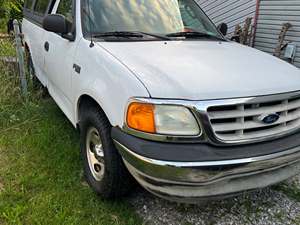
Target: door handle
(77, 68)
(46, 46)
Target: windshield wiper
(155, 35)
(129, 34)
(194, 34)
(126, 34)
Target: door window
(65, 8)
(28, 4)
(41, 6)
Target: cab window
(158, 17)
(65, 8)
(189, 17)
(41, 6)
(28, 4)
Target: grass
(41, 179)
(289, 189)
(6, 49)
(2, 25)
(40, 168)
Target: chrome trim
(162, 137)
(199, 109)
(193, 181)
(211, 163)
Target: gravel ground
(271, 206)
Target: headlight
(162, 119)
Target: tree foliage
(11, 9)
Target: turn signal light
(140, 116)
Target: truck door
(32, 27)
(59, 56)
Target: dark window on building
(41, 6)
(66, 8)
(28, 4)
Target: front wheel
(103, 166)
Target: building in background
(268, 18)
(231, 12)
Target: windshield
(152, 16)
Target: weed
(40, 166)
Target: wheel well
(86, 101)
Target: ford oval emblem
(269, 119)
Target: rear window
(28, 4)
(41, 6)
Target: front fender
(105, 79)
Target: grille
(244, 121)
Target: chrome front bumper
(191, 182)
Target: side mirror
(223, 28)
(56, 23)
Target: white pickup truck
(159, 94)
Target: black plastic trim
(200, 152)
(35, 17)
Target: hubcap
(95, 153)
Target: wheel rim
(95, 153)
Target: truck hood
(202, 70)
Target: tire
(104, 169)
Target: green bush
(11, 9)
(2, 25)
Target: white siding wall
(272, 14)
(232, 12)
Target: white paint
(200, 70)
(114, 72)
(34, 37)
